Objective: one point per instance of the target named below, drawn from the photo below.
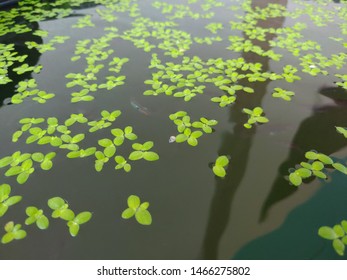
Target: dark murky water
(252, 214)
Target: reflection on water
(194, 214)
(297, 238)
(238, 145)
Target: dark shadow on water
(317, 132)
(237, 144)
(303, 242)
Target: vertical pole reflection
(239, 142)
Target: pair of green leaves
(61, 210)
(220, 165)
(5, 199)
(137, 209)
(143, 151)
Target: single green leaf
(128, 213)
(311, 155)
(42, 222)
(222, 161)
(3, 209)
(327, 233)
(339, 247)
(56, 203)
(143, 217)
(340, 167)
(83, 217)
(150, 156)
(325, 159)
(67, 214)
(295, 179)
(339, 230)
(219, 171)
(46, 165)
(13, 200)
(136, 155)
(7, 238)
(23, 177)
(133, 201)
(73, 228)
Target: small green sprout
(13, 232)
(5, 199)
(220, 165)
(135, 207)
(36, 216)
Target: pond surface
(253, 212)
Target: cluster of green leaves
(61, 210)
(187, 79)
(315, 166)
(26, 68)
(29, 88)
(338, 235)
(6, 200)
(140, 151)
(240, 44)
(179, 11)
(54, 133)
(173, 42)
(139, 210)
(21, 165)
(8, 58)
(95, 51)
(254, 117)
(282, 93)
(107, 118)
(49, 46)
(184, 125)
(106, 15)
(207, 40)
(220, 165)
(36, 216)
(13, 232)
(214, 27)
(84, 22)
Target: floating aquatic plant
(36, 215)
(316, 166)
(121, 135)
(44, 160)
(137, 209)
(22, 172)
(74, 222)
(220, 165)
(254, 116)
(6, 200)
(122, 163)
(61, 210)
(282, 93)
(82, 153)
(337, 234)
(13, 232)
(183, 123)
(143, 151)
